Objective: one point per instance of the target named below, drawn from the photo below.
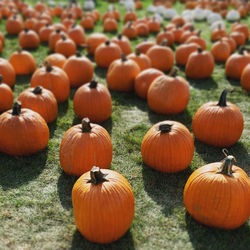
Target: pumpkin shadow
(16, 171)
(172, 184)
(203, 237)
(214, 154)
(72, 93)
(125, 242)
(63, 108)
(101, 72)
(208, 83)
(233, 82)
(52, 128)
(185, 118)
(22, 79)
(64, 188)
(76, 121)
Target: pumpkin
(65, 46)
(245, 78)
(220, 51)
(56, 60)
(145, 46)
(200, 64)
(77, 34)
(14, 25)
(236, 63)
(178, 21)
(22, 131)
(129, 30)
(68, 21)
(79, 69)
(106, 53)
(55, 36)
(168, 94)
(238, 37)
(218, 123)
(231, 42)
(142, 60)
(218, 33)
(123, 42)
(45, 32)
(108, 14)
(110, 25)
(217, 194)
(161, 56)
(28, 39)
(110, 191)
(130, 16)
(154, 25)
(7, 71)
(162, 144)
(197, 39)
(2, 39)
(240, 27)
(188, 33)
(184, 51)
(142, 29)
(54, 79)
(93, 100)
(94, 40)
(83, 146)
(87, 23)
(144, 80)
(165, 35)
(40, 24)
(23, 62)
(41, 101)
(6, 96)
(177, 32)
(60, 26)
(125, 67)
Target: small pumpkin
(198, 39)
(14, 25)
(56, 59)
(23, 62)
(55, 36)
(45, 32)
(144, 80)
(165, 35)
(41, 101)
(245, 78)
(83, 146)
(7, 71)
(240, 27)
(110, 191)
(218, 33)
(65, 46)
(93, 100)
(79, 69)
(54, 79)
(106, 53)
(77, 34)
(217, 194)
(200, 64)
(168, 94)
(220, 51)
(22, 131)
(28, 39)
(87, 22)
(94, 40)
(130, 16)
(129, 30)
(110, 25)
(239, 37)
(231, 42)
(119, 67)
(218, 123)
(142, 29)
(145, 46)
(6, 96)
(143, 61)
(123, 42)
(162, 144)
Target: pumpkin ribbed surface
(103, 212)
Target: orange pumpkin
(22, 131)
(65, 46)
(77, 34)
(143, 61)
(154, 25)
(200, 64)
(238, 37)
(14, 25)
(54, 79)
(28, 39)
(197, 39)
(125, 67)
(212, 195)
(123, 42)
(145, 46)
(129, 30)
(55, 36)
(220, 51)
(94, 40)
(79, 69)
(218, 33)
(213, 123)
(245, 78)
(165, 35)
(83, 146)
(41, 101)
(110, 191)
(144, 80)
(161, 146)
(110, 25)
(87, 23)
(6, 96)
(7, 71)
(130, 16)
(23, 62)
(231, 42)
(45, 32)
(240, 27)
(56, 60)
(168, 94)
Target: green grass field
(35, 194)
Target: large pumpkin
(93, 100)
(103, 204)
(218, 123)
(168, 147)
(54, 79)
(168, 94)
(83, 146)
(218, 194)
(41, 101)
(22, 131)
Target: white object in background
(170, 14)
(213, 17)
(129, 5)
(88, 5)
(160, 10)
(188, 15)
(233, 15)
(199, 14)
(51, 3)
(151, 9)
(158, 18)
(216, 24)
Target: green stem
(97, 176)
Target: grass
(35, 194)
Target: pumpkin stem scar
(96, 176)
(226, 165)
(165, 128)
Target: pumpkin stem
(130, 24)
(107, 43)
(123, 57)
(97, 176)
(226, 166)
(199, 50)
(16, 110)
(165, 128)
(93, 83)
(164, 42)
(37, 90)
(26, 30)
(137, 51)
(223, 99)
(173, 72)
(20, 50)
(199, 33)
(63, 37)
(78, 54)
(241, 50)
(119, 36)
(1, 78)
(86, 125)
(48, 66)
(58, 31)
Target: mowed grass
(35, 194)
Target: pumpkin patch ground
(36, 210)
